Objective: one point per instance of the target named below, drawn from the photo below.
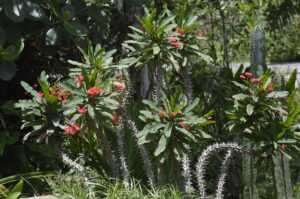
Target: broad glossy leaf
(7, 70)
(2, 37)
(15, 10)
(53, 36)
(76, 29)
(34, 10)
(68, 12)
(12, 52)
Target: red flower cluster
(200, 33)
(79, 79)
(283, 146)
(120, 88)
(82, 110)
(40, 94)
(256, 80)
(174, 42)
(72, 129)
(55, 92)
(246, 75)
(116, 118)
(93, 91)
(162, 112)
(181, 124)
(172, 114)
(270, 87)
(180, 31)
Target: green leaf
(168, 130)
(28, 88)
(240, 96)
(2, 37)
(192, 105)
(7, 70)
(152, 105)
(250, 109)
(91, 111)
(16, 191)
(290, 85)
(68, 12)
(277, 94)
(34, 11)
(76, 29)
(12, 52)
(162, 144)
(15, 10)
(156, 49)
(53, 37)
(188, 134)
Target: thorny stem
(109, 155)
(224, 169)
(142, 150)
(124, 168)
(206, 154)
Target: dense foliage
(115, 92)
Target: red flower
(248, 74)
(40, 94)
(181, 123)
(58, 87)
(64, 101)
(174, 42)
(82, 110)
(176, 45)
(120, 87)
(162, 112)
(180, 31)
(75, 127)
(94, 91)
(283, 146)
(116, 118)
(242, 77)
(256, 80)
(270, 87)
(172, 114)
(79, 79)
(189, 127)
(71, 130)
(200, 33)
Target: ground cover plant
(136, 99)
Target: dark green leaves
(15, 10)
(76, 29)
(7, 70)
